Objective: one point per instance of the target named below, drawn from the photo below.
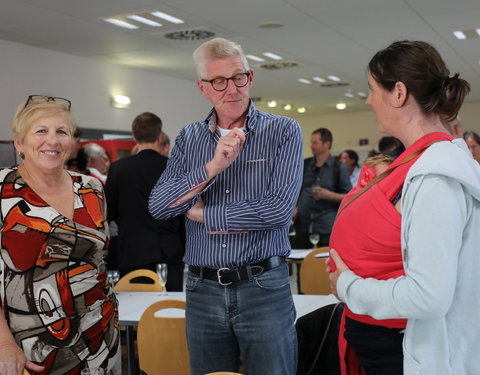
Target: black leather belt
(226, 276)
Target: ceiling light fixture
(287, 107)
(272, 56)
(459, 35)
(144, 20)
(303, 80)
(120, 101)
(333, 78)
(272, 103)
(119, 23)
(254, 58)
(167, 17)
(301, 109)
(319, 79)
(349, 95)
(361, 94)
(341, 106)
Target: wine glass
(314, 239)
(162, 273)
(113, 276)
(93, 371)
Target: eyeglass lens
(221, 83)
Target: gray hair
(217, 48)
(94, 150)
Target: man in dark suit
(143, 241)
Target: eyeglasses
(221, 83)
(46, 98)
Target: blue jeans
(253, 319)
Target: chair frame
(125, 284)
(162, 341)
(313, 274)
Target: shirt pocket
(254, 177)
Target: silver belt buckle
(219, 277)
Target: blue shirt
(248, 206)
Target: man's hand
(320, 193)
(227, 150)
(196, 212)
(335, 266)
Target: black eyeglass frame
(49, 99)
(228, 79)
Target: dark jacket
(141, 239)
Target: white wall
(26, 70)
(88, 83)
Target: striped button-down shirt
(248, 206)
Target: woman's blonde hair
(39, 106)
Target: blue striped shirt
(248, 206)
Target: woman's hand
(13, 360)
(335, 266)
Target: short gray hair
(94, 150)
(217, 48)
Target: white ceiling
(325, 36)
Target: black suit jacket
(142, 240)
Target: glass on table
(314, 239)
(93, 371)
(113, 276)
(162, 273)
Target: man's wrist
(212, 170)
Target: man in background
(98, 161)
(143, 241)
(165, 145)
(325, 184)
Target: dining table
(131, 306)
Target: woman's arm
(12, 358)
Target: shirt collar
(250, 121)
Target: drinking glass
(113, 276)
(314, 239)
(162, 273)
(93, 371)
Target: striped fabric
(248, 206)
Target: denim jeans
(253, 319)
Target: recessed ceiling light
(459, 35)
(341, 106)
(119, 23)
(301, 109)
(303, 80)
(333, 78)
(272, 103)
(349, 95)
(120, 101)
(287, 107)
(272, 56)
(144, 20)
(254, 58)
(167, 17)
(319, 79)
(361, 94)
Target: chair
(162, 341)
(313, 274)
(125, 283)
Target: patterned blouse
(60, 309)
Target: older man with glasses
(236, 175)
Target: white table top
(133, 304)
(302, 253)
